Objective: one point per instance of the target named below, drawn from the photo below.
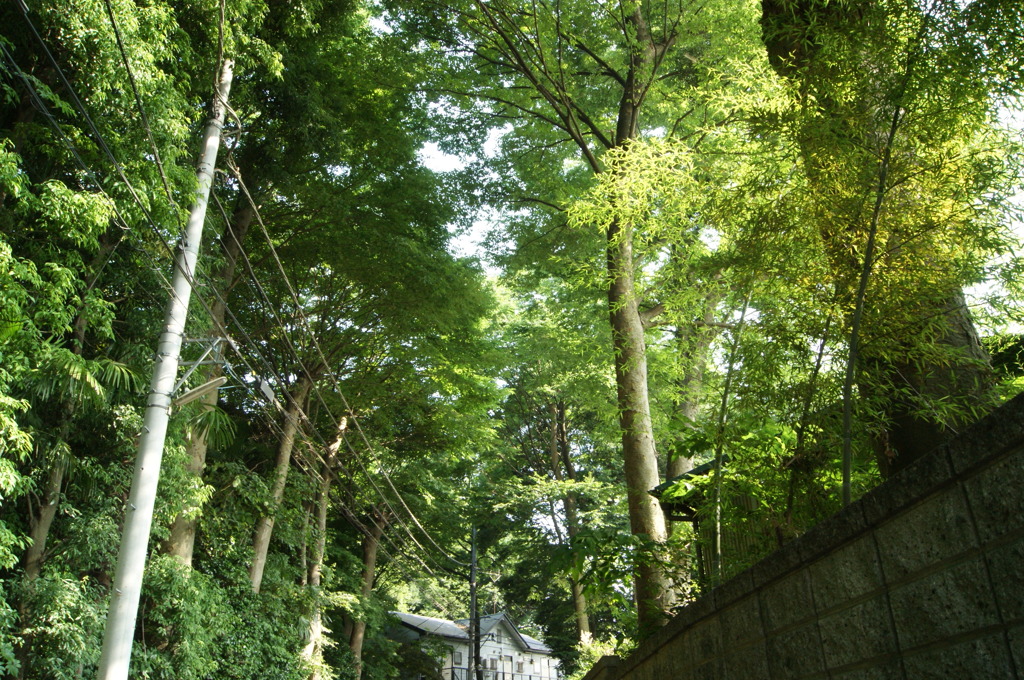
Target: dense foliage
(771, 242)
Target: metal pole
(474, 617)
(131, 557)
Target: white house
(505, 652)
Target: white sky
(469, 244)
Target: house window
(494, 664)
(457, 658)
(519, 667)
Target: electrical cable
(333, 377)
(40, 105)
(98, 136)
(330, 373)
(141, 108)
(304, 417)
(101, 142)
(291, 345)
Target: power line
(142, 109)
(101, 142)
(98, 136)
(332, 376)
(104, 146)
(254, 280)
(290, 345)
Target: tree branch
(528, 199)
(647, 316)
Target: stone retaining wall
(921, 578)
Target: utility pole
(131, 557)
(475, 667)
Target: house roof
(457, 630)
(535, 644)
(684, 507)
(698, 471)
(431, 626)
(491, 621)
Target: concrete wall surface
(921, 578)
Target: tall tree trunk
(646, 519)
(265, 524)
(308, 509)
(42, 519)
(313, 651)
(694, 343)
(181, 541)
(653, 589)
(560, 456)
(911, 434)
(579, 607)
(371, 543)
(791, 37)
(644, 54)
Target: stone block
(677, 628)
(932, 531)
(824, 537)
(641, 671)
(860, 633)
(795, 653)
(911, 485)
(737, 587)
(943, 604)
(891, 669)
(668, 662)
(776, 565)
(748, 662)
(851, 572)
(691, 614)
(996, 498)
(677, 659)
(787, 602)
(649, 648)
(741, 623)
(703, 642)
(606, 668)
(697, 649)
(990, 437)
(712, 670)
(984, 658)
(1015, 636)
(1006, 567)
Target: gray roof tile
(433, 626)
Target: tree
(894, 133)
(84, 281)
(597, 78)
(551, 424)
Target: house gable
(505, 652)
(500, 626)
